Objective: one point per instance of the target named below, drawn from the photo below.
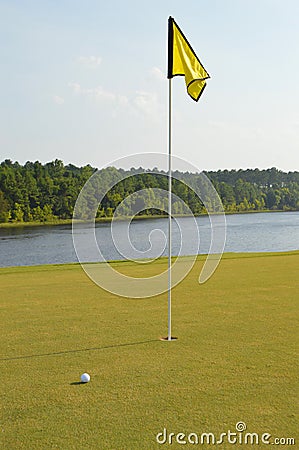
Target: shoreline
(161, 260)
(11, 225)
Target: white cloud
(157, 73)
(58, 100)
(123, 100)
(90, 61)
(76, 87)
(148, 103)
(143, 102)
(99, 93)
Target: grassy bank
(69, 221)
(109, 219)
(235, 359)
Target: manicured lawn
(235, 359)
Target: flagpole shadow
(65, 352)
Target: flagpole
(169, 205)
(181, 61)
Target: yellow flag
(182, 60)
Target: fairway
(235, 358)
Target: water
(259, 232)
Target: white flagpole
(169, 210)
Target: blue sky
(84, 81)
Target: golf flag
(182, 60)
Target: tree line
(36, 192)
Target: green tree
(4, 208)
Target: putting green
(235, 359)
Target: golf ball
(85, 377)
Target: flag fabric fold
(183, 61)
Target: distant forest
(36, 192)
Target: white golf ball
(85, 377)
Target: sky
(85, 82)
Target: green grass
(70, 221)
(235, 358)
(109, 219)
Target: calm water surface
(259, 232)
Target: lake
(256, 232)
